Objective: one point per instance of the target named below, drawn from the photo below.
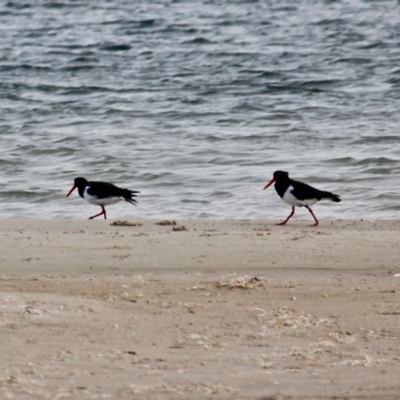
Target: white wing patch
(293, 201)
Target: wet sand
(200, 309)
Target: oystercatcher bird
(102, 194)
(298, 194)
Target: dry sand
(221, 310)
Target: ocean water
(196, 103)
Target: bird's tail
(331, 196)
(129, 196)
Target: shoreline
(221, 308)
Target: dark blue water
(196, 103)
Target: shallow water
(196, 103)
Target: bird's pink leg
(315, 218)
(103, 212)
(287, 219)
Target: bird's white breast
(293, 201)
(100, 202)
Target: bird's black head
(79, 183)
(281, 175)
(278, 176)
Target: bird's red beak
(72, 189)
(269, 183)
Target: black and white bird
(102, 194)
(298, 194)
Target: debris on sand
(125, 223)
(179, 228)
(242, 282)
(166, 222)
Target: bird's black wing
(302, 191)
(104, 190)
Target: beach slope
(149, 309)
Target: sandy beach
(200, 309)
